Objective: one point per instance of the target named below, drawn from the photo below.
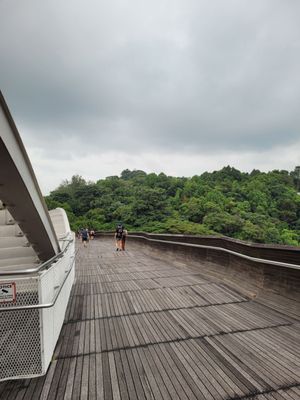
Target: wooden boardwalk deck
(139, 327)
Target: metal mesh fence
(20, 345)
(26, 292)
(28, 335)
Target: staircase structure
(16, 252)
(37, 261)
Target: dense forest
(257, 206)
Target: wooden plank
(191, 368)
(239, 365)
(129, 300)
(121, 377)
(273, 359)
(235, 380)
(99, 377)
(10, 389)
(133, 395)
(253, 361)
(108, 394)
(84, 387)
(55, 381)
(47, 384)
(77, 380)
(214, 368)
(70, 379)
(153, 375)
(62, 384)
(175, 378)
(114, 377)
(209, 379)
(188, 384)
(150, 393)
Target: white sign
(7, 292)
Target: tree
(224, 223)
(260, 207)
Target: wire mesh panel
(20, 343)
(26, 291)
(28, 336)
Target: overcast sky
(179, 86)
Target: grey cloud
(185, 76)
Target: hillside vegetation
(257, 207)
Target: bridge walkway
(141, 327)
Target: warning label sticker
(7, 292)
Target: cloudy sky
(179, 86)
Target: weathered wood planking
(139, 327)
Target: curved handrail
(46, 305)
(40, 267)
(254, 259)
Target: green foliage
(173, 225)
(223, 222)
(256, 207)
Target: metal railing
(34, 317)
(46, 305)
(41, 267)
(241, 255)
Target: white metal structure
(36, 263)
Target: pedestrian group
(120, 236)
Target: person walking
(125, 233)
(85, 236)
(119, 236)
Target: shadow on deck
(142, 326)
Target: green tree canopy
(258, 207)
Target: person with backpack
(85, 236)
(119, 236)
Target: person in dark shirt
(85, 236)
(119, 237)
(125, 233)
